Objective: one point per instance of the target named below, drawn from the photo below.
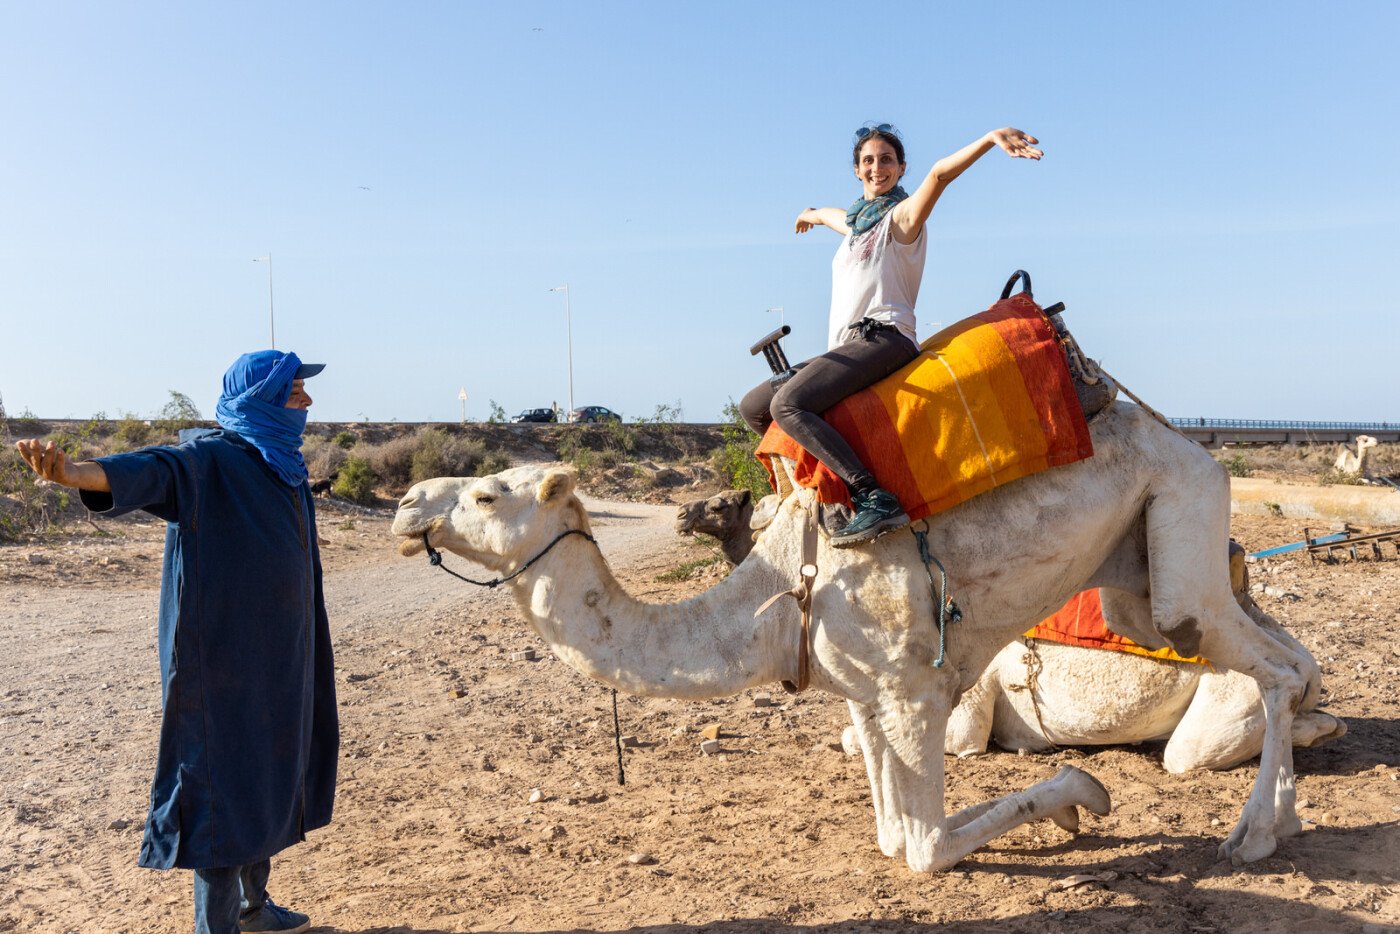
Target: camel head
(498, 521)
(723, 515)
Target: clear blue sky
(1217, 204)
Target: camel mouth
(413, 536)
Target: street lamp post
(271, 321)
(569, 327)
(782, 315)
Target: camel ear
(556, 485)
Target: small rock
(631, 742)
(121, 823)
(711, 731)
(486, 765)
(1215, 822)
(1082, 878)
(709, 747)
(36, 558)
(763, 700)
(536, 796)
(1304, 804)
(457, 693)
(524, 655)
(641, 859)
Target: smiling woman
(875, 278)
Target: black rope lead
(617, 738)
(435, 559)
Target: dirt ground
(445, 738)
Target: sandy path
(444, 737)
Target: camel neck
(708, 646)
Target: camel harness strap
(802, 593)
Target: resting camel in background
(1036, 694)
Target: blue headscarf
(867, 212)
(253, 404)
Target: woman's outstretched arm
(910, 215)
(835, 218)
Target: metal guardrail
(1290, 426)
(1218, 431)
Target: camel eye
(484, 500)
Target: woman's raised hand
(807, 220)
(1016, 144)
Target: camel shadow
(1370, 741)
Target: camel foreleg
(879, 769)
(913, 790)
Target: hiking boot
(272, 917)
(876, 512)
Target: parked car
(534, 415)
(594, 413)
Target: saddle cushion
(990, 400)
(1081, 622)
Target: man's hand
(48, 461)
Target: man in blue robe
(249, 733)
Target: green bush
(735, 461)
(355, 481)
(440, 454)
(1237, 465)
(131, 433)
(344, 439)
(493, 462)
(177, 414)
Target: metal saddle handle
(773, 352)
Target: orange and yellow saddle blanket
(990, 400)
(1081, 622)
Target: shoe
(272, 917)
(876, 512)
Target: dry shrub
(323, 457)
(432, 452)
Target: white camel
(1144, 516)
(1036, 694)
(1355, 464)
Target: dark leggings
(820, 383)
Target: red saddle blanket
(990, 400)
(1081, 622)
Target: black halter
(435, 559)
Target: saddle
(998, 396)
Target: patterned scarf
(867, 212)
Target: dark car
(594, 413)
(534, 415)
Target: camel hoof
(1066, 819)
(1243, 847)
(1315, 728)
(1088, 791)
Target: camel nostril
(408, 500)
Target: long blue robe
(249, 734)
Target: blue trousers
(221, 896)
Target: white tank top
(875, 276)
